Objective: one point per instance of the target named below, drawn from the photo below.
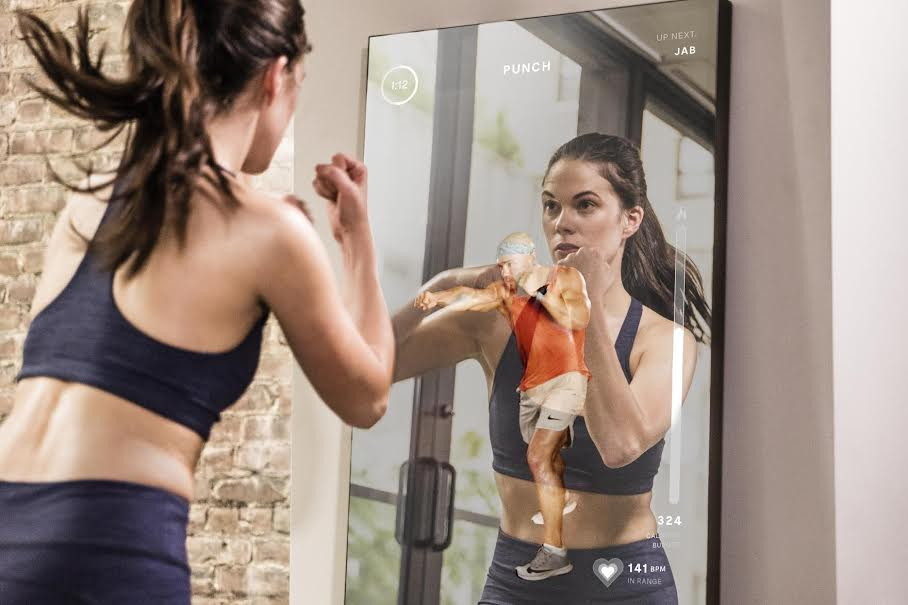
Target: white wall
(777, 516)
(870, 288)
(777, 505)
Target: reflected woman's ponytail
(187, 60)
(648, 266)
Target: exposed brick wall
(239, 541)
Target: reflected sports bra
(81, 336)
(584, 469)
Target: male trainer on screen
(548, 309)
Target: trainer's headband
(514, 247)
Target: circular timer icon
(399, 85)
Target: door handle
(417, 485)
(444, 509)
(425, 504)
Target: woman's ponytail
(79, 86)
(185, 62)
(168, 144)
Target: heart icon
(608, 570)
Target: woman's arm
(626, 419)
(344, 344)
(345, 347)
(409, 316)
(426, 340)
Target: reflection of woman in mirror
(597, 219)
(548, 310)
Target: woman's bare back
(201, 299)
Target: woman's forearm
(432, 339)
(615, 420)
(366, 302)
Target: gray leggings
(581, 586)
(92, 542)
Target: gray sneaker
(545, 565)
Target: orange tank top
(546, 348)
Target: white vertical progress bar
(674, 491)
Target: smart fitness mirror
(548, 201)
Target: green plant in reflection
(499, 138)
(467, 560)
(476, 489)
(373, 569)
(373, 565)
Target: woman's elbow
(370, 414)
(369, 404)
(622, 455)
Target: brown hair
(187, 60)
(648, 266)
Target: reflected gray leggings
(646, 580)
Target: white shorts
(553, 405)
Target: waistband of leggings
(645, 545)
(102, 516)
(97, 486)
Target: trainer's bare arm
(567, 301)
(464, 298)
(427, 340)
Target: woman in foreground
(148, 320)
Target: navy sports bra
(81, 336)
(584, 469)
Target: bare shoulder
(83, 211)
(656, 334)
(269, 223)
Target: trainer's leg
(547, 467)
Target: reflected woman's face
(580, 208)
